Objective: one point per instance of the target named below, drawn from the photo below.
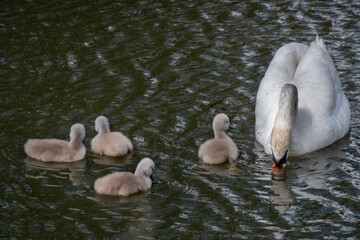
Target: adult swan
(300, 105)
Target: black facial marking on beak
(278, 163)
(231, 126)
(151, 177)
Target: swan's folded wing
(281, 70)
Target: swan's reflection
(311, 170)
(134, 210)
(224, 169)
(283, 198)
(76, 168)
(221, 169)
(314, 169)
(54, 166)
(115, 161)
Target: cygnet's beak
(151, 177)
(231, 126)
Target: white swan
(300, 105)
(109, 143)
(221, 148)
(55, 150)
(126, 183)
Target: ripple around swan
(160, 71)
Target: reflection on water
(161, 70)
(311, 171)
(283, 198)
(105, 160)
(74, 170)
(53, 166)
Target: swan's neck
(284, 120)
(144, 176)
(220, 134)
(76, 142)
(104, 128)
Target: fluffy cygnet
(126, 183)
(221, 148)
(55, 150)
(109, 143)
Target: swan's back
(118, 184)
(323, 110)
(281, 70)
(53, 150)
(111, 144)
(216, 151)
(126, 183)
(56, 150)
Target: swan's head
(145, 168)
(280, 142)
(280, 159)
(102, 124)
(77, 133)
(285, 119)
(221, 122)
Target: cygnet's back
(221, 148)
(126, 183)
(55, 150)
(109, 143)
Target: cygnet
(56, 150)
(221, 148)
(109, 143)
(127, 183)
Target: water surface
(160, 71)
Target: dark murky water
(160, 71)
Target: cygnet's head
(102, 124)
(145, 168)
(221, 122)
(77, 132)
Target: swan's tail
(318, 42)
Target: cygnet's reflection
(114, 161)
(135, 209)
(221, 169)
(108, 200)
(76, 168)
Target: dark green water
(160, 71)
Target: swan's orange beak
(278, 173)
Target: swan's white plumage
(56, 150)
(323, 109)
(126, 183)
(109, 143)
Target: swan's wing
(318, 82)
(280, 71)
(324, 113)
(320, 90)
